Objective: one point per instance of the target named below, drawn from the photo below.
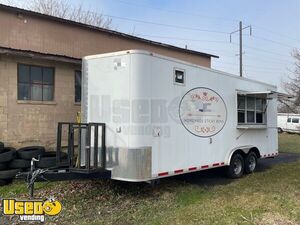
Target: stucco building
(40, 70)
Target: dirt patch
(274, 219)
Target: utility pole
(240, 30)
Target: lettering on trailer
(203, 112)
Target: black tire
(236, 167)
(63, 155)
(250, 162)
(30, 152)
(46, 162)
(1, 147)
(279, 130)
(5, 182)
(3, 166)
(19, 164)
(7, 155)
(8, 174)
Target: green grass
(270, 197)
(289, 142)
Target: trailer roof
(144, 52)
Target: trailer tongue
(86, 156)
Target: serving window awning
(264, 94)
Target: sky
(205, 25)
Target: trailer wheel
(236, 167)
(250, 162)
(279, 130)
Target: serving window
(251, 109)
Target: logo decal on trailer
(203, 112)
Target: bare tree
(292, 87)
(65, 10)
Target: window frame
(174, 76)
(30, 83)
(77, 102)
(245, 110)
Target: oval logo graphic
(203, 112)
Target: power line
(182, 39)
(176, 11)
(275, 42)
(165, 25)
(213, 41)
(251, 66)
(205, 16)
(276, 33)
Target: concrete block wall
(24, 123)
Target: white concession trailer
(166, 117)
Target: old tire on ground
(8, 174)
(250, 162)
(1, 147)
(236, 167)
(7, 155)
(31, 152)
(3, 166)
(5, 182)
(46, 162)
(49, 159)
(19, 164)
(63, 155)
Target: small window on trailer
(179, 76)
(295, 120)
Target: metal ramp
(85, 147)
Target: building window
(77, 86)
(35, 83)
(251, 110)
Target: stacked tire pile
(13, 161)
(7, 154)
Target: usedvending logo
(31, 210)
(203, 112)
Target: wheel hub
(237, 166)
(252, 163)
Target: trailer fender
(243, 150)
